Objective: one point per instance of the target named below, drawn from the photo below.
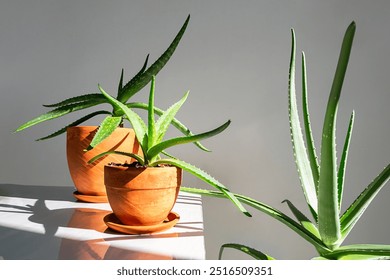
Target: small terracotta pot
(89, 178)
(142, 196)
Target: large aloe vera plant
(115, 117)
(150, 136)
(322, 182)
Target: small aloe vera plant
(323, 182)
(151, 140)
(125, 92)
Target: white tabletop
(46, 222)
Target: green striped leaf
(311, 150)
(106, 128)
(199, 173)
(59, 112)
(357, 208)
(168, 117)
(120, 87)
(300, 154)
(152, 133)
(328, 209)
(81, 98)
(361, 251)
(303, 220)
(137, 123)
(139, 81)
(158, 148)
(343, 161)
(256, 254)
(175, 122)
(270, 211)
(75, 123)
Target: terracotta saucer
(113, 223)
(90, 198)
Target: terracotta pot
(142, 196)
(89, 178)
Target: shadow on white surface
(46, 222)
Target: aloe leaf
(59, 112)
(199, 173)
(303, 220)
(120, 87)
(137, 123)
(245, 249)
(106, 128)
(357, 208)
(306, 120)
(139, 81)
(328, 210)
(81, 98)
(176, 123)
(158, 148)
(75, 123)
(270, 211)
(343, 161)
(361, 251)
(134, 156)
(152, 134)
(301, 157)
(167, 118)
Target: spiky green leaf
(357, 208)
(343, 161)
(176, 123)
(75, 123)
(199, 173)
(300, 154)
(158, 148)
(270, 211)
(303, 220)
(168, 117)
(311, 150)
(59, 112)
(106, 128)
(328, 209)
(152, 133)
(360, 251)
(139, 81)
(120, 87)
(137, 123)
(81, 98)
(256, 254)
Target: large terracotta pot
(89, 178)
(142, 196)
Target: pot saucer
(90, 198)
(114, 223)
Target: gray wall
(234, 58)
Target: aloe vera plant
(115, 117)
(322, 182)
(151, 139)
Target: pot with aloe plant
(322, 182)
(142, 194)
(85, 142)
